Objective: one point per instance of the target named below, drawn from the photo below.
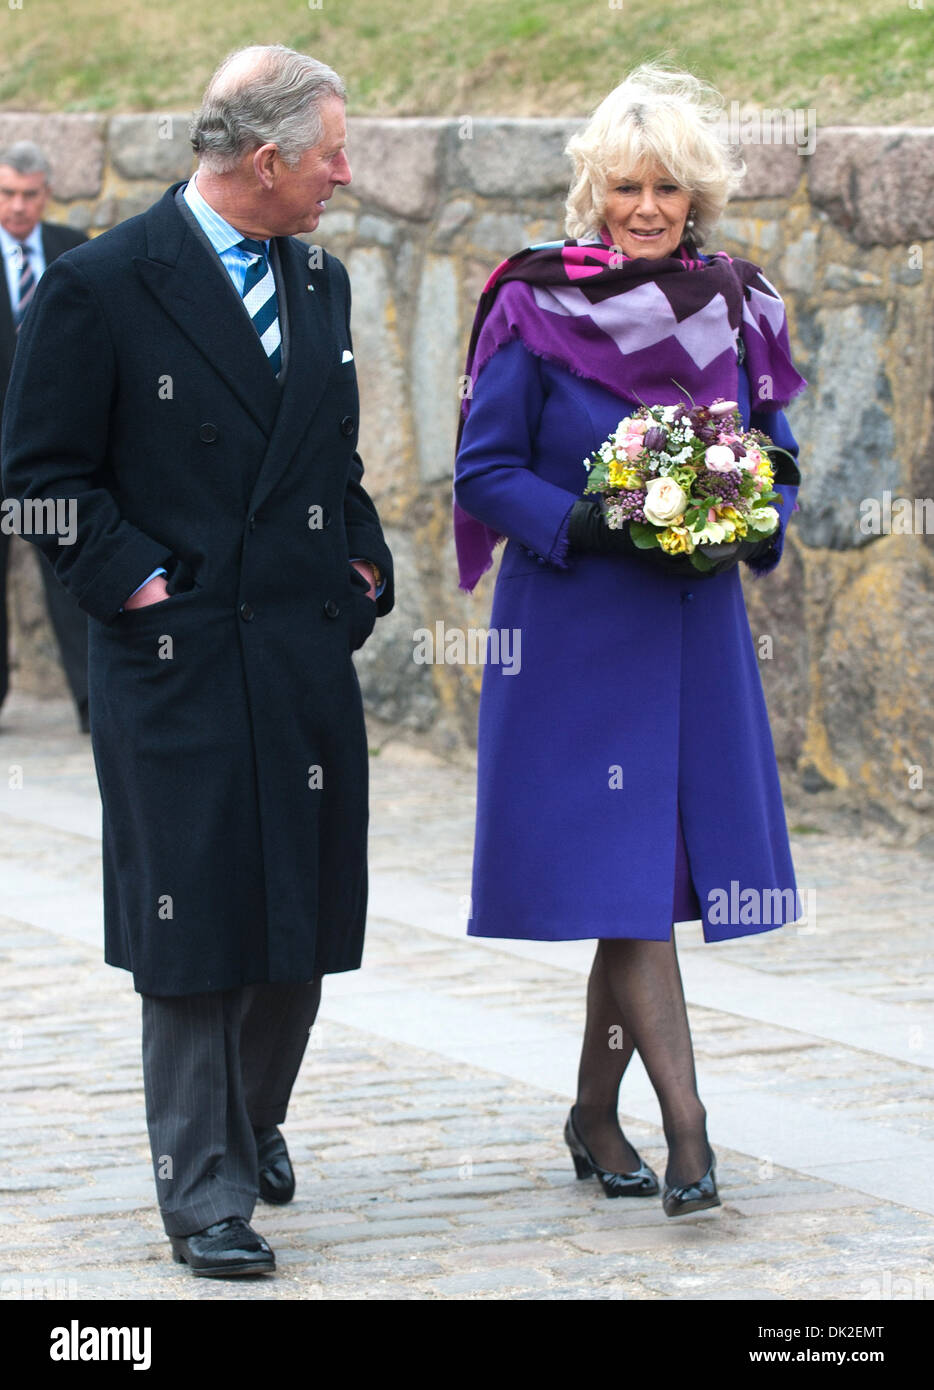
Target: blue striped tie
(259, 296)
(26, 285)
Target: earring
(689, 224)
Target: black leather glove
(729, 553)
(784, 468)
(588, 532)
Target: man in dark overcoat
(28, 244)
(201, 406)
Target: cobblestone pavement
(426, 1124)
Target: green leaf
(700, 561)
(643, 535)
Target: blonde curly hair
(656, 116)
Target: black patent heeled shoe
(642, 1183)
(693, 1196)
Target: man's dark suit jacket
(69, 622)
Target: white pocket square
(347, 357)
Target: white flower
(665, 501)
(711, 534)
(764, 520)
(714, 532)
(719, 458)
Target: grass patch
(866, 63)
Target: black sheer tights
(635, 1000)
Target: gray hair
(264, 94)
(26, 158)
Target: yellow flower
(622, 475)
(730, 514)
(676, 540)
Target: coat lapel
(181, 275)
(313, 349)
(7, 328)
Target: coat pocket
(132, 615)
(362, 618)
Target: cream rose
(665, 501)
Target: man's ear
(267, 162)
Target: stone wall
(846, 233)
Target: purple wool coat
(637, 694)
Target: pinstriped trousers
(214, 1067)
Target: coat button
(208, 433)
(347, 425)
(331, 608)
(686, 598)
(246, 612)
(252, 522)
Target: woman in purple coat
(626, 773)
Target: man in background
(28, 245)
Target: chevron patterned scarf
(651, 331)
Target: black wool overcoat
(226, 721)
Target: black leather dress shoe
(224, 1250)
(276, 1177)
(694, 1196)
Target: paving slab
(426, 1123)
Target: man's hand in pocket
(154, 592)
(365, 570)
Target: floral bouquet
(682, 478)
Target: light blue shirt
(221, 235)
(10, 248)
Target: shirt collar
(11, 244)
(219, 233)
